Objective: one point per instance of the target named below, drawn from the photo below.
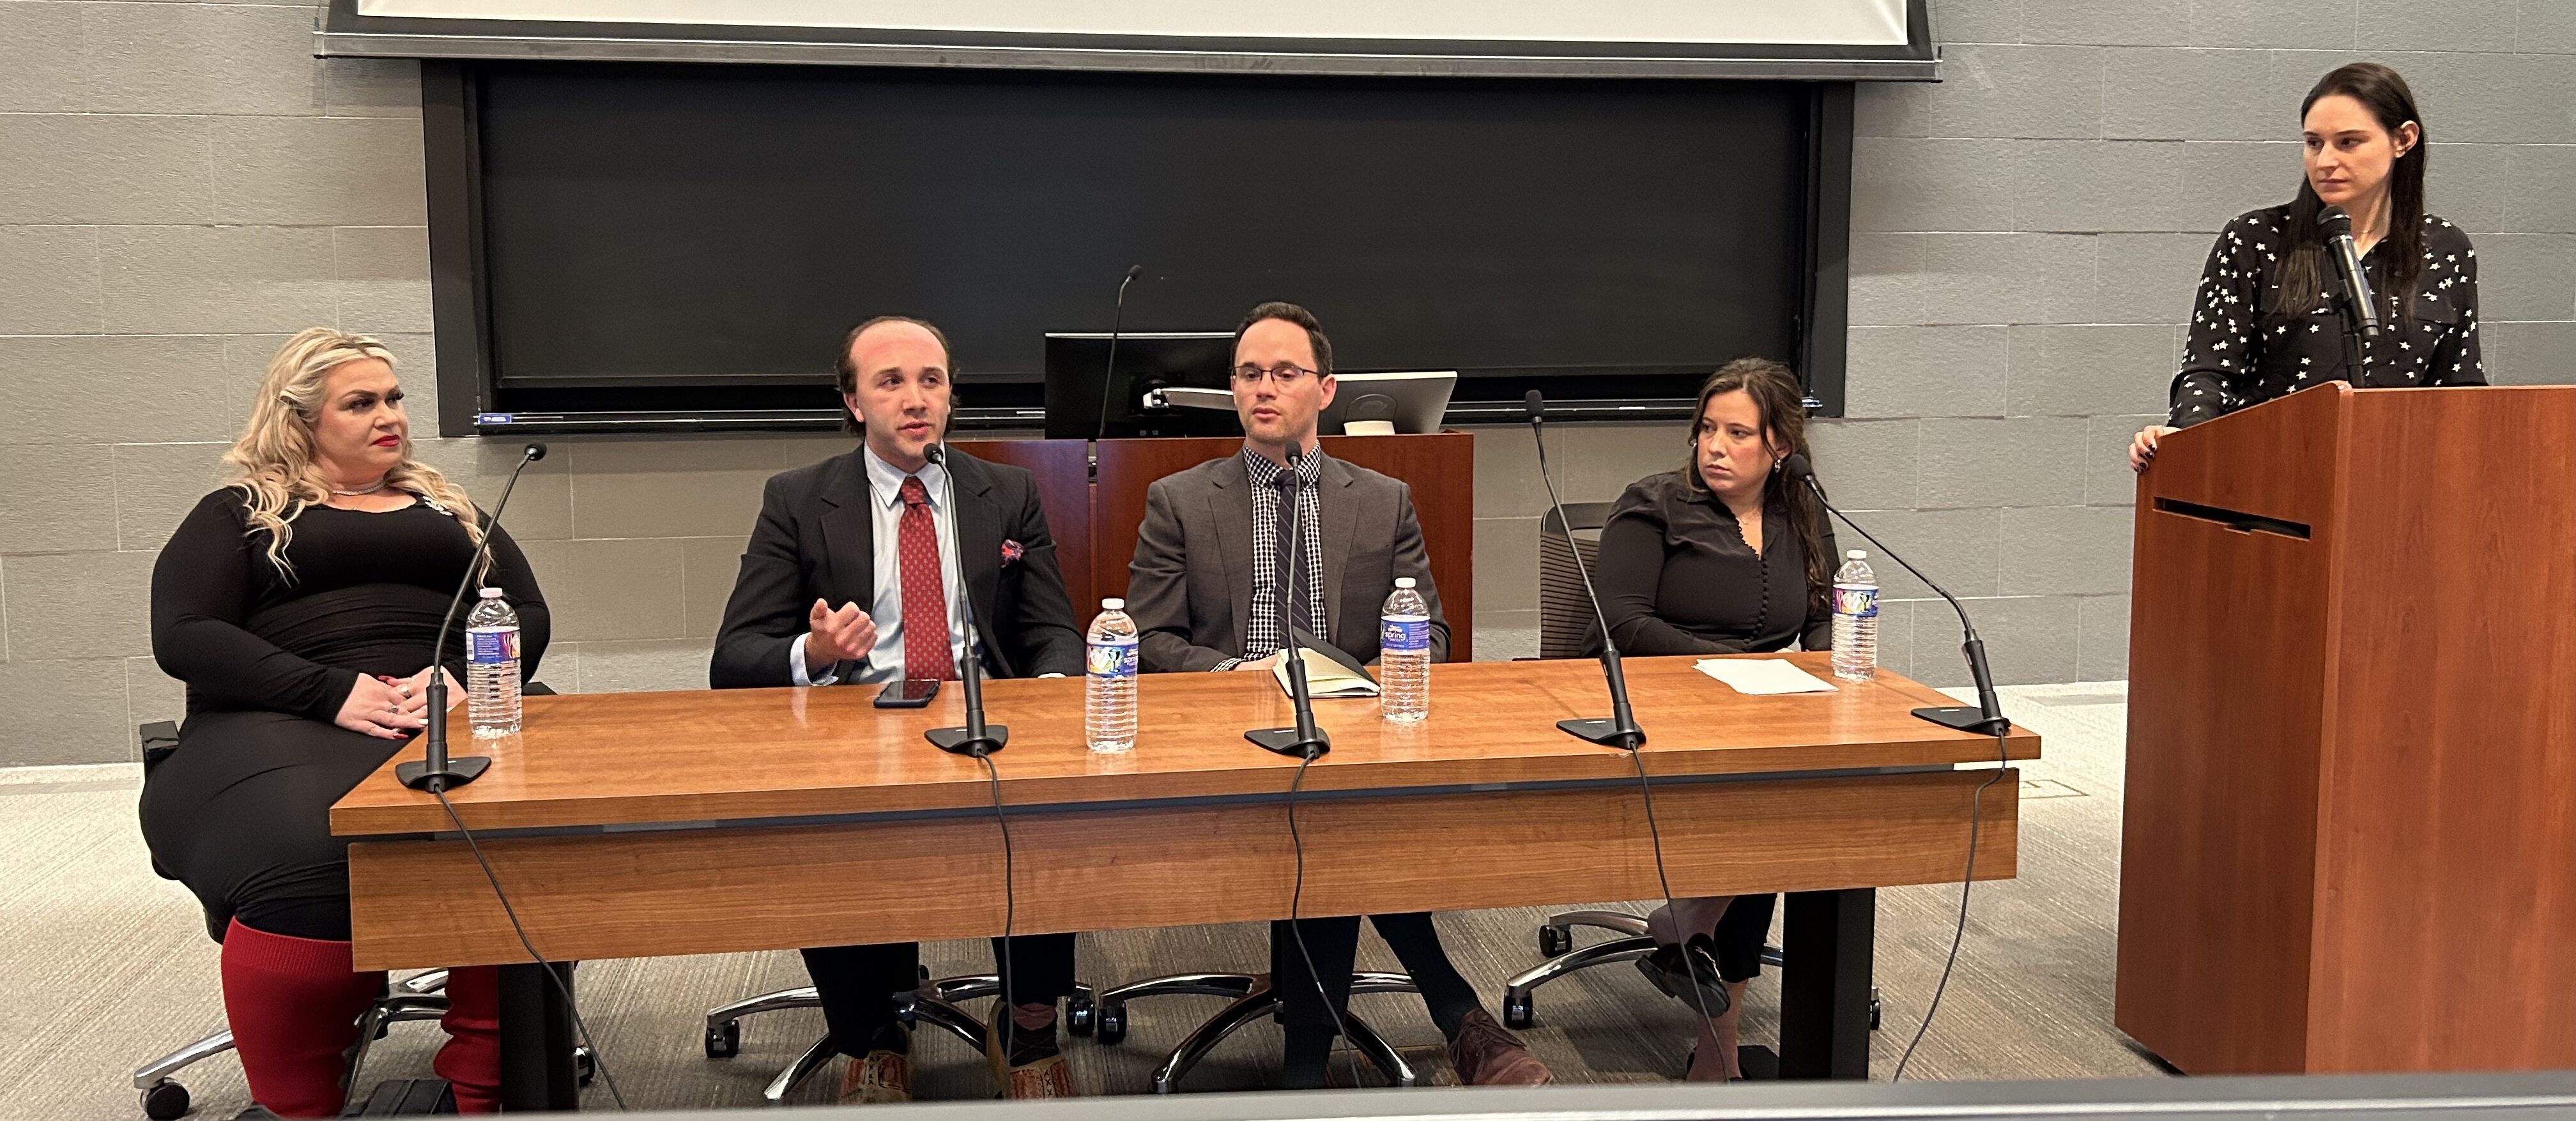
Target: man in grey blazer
(1211, 589)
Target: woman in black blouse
(298, 605)
(1723, 556)
(2267, 321)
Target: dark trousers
(863, 987)
(1334, 943)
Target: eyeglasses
(1248, 375)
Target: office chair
(1568, 629)
(1252, 999)
(934, 1003)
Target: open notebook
(1330, 673)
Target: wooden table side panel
(709, 891)
(2446, 826)
(2226, 670)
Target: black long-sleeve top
(2243, 352)
(1677, 577)
(367, 596)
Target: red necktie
(926, 653)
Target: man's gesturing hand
(832, 636)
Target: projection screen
(1829, 40)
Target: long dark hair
(2380, 90)
(1783, 407)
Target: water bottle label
(1111, 659)
(492, 645)
(1858, 602)
(1404, 634)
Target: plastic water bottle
(1855, 618)
(1404, 655)
(492, 666)
(1109, 681)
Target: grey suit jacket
(1190, 586)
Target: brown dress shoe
(1049, 1077)
(882, 1078)
(1485, 1054)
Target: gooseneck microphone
(437, 773)
(1620, 730)
(976, 738)
(2361, 312)
(1988, 716)
(1304, 739)
(1109, 373)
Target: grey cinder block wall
(182, 185)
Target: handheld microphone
(1304, 739)
(2361, 313)
(1988, 716)
(437, 773)
(1109, 373)
(1620, 730)
(976, 738)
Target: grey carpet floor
(103, 966)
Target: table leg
(537, 1040)
(1824, 983)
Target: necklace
(380, 485)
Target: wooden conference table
(653, 824)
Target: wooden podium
(2350, 832)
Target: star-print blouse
(2242, 352)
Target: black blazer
(815, 540)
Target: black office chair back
(1566, 626)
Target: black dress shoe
(1678, 970)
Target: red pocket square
(1012, 552)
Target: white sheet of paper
(1762, 677)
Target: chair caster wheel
(1518, 1014)
(1112, 1029)
(1081, 1015)
(585, 1066)
(724, 1040)
(165, 1101)
(1554, 941)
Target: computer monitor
(1411, 402)
(1077, 373)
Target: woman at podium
(2267, 321)
(1721, 556)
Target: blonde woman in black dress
(298, 605)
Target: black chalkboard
(660, 232)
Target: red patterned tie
(926, 653)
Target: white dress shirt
(884, 662)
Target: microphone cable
(1976, 808)
(598, 1058)
(1636, 753)
(1010, 913)
(1297, 932)
(1976, 800)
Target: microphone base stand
(438, 773)
(1620, 730)
(1304, 740)
(976, 738)
(1986, 716)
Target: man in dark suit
(870, 531)
(1210, 587)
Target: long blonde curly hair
(273, 460)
